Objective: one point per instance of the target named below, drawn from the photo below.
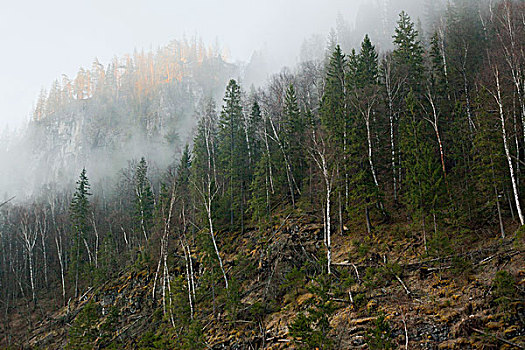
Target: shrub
(504, 288)
(380, 336)
(293, 280)
(310, 330)
(84, 332)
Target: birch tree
(29, 234)
(320, 154)
(204, 181)
(392, 83)
(509, 29)
(497, 94)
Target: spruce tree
(261, 188)
(408, 53)
(333, 113)
(144, 201)
(294, 126)
(233, 154)
(364, 96)
(79, 215)
(254, 126)
(489, 173)
(367, 65)
(333, 104)
(423, 186)
(438, 79)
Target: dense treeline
(433, 131)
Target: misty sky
(41, 40)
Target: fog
(44, 41)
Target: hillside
(450, 300)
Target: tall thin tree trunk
(212, 235)
(393, 155)
(345, 167)
(424, 232)
(59, 252)
(32, 278)
(499, 101)
(319, 157)
(471, 124)
(367, 218)
(77, 263)
(43, 233)
(188, 282)
(435, 126)
(369, 141)
(96, 239)
(270, 173)
(289, 174)
(328, 228)
(498, 206)
(511, 207)
(435, 221)
(340, 215)
(516, 141)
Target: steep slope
(382, 293)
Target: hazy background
(41, 40)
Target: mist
(46, 40)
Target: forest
(302, 198)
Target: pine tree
(254, 126)
(144, 201)
(437, 66)
(333, 103)
(408, 53)
(261, 188)
(367, 64)
(365, 96)
(233, 154)
(184, 170)
(489, 172)
(465, 51)
(333, 114)
(79, 215)
(293, 129)
(423, 186)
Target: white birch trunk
(499, 101)
(42, 224)
(188, 282)
(212, 235)
(29, 237)
(60, 261)
(319, 156)
(369, 141)
(269, 159)
(208, 199)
